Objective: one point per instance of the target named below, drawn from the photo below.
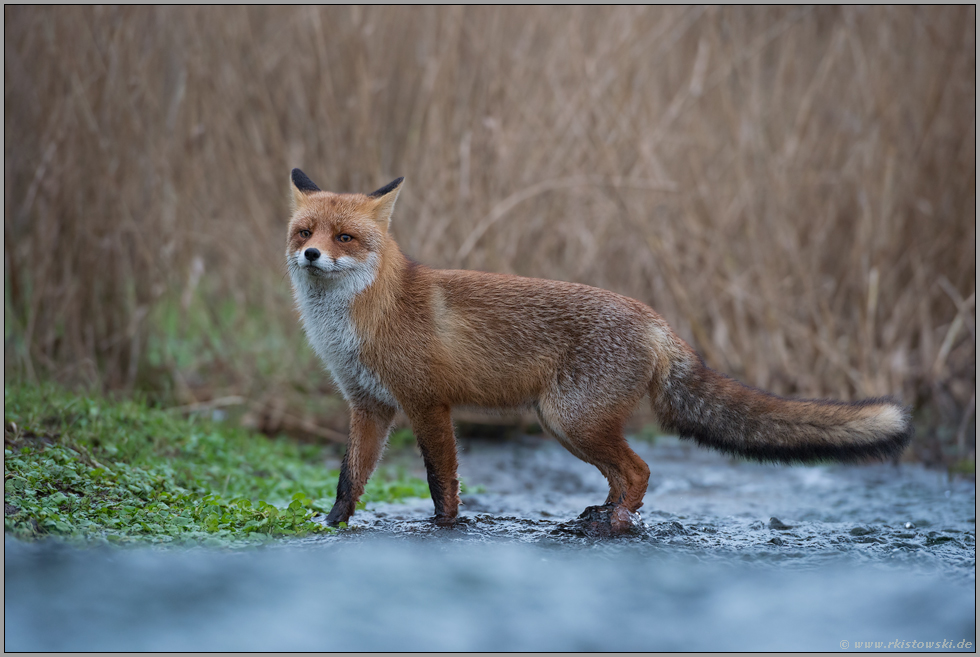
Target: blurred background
(793, 189)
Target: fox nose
(311, 254)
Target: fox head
(336, 240)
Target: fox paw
(445, 521)
(337, 516)
(609, 520)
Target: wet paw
(609, 520)
(336, 519)
(445, 521)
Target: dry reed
(793, 189)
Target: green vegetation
(963, 467)
(87, 468)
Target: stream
(733, 555)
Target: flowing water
(732, 556)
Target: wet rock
(906, 547)
(935, 538)
(777, 541)
(672, 528)
(776, 523)
(862, 531)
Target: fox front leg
(368, 433)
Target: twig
(315, 429)
(233, 400)
(962, 316)
(501, 209)
(961, 432)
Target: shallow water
(732, 556)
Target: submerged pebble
(862, 531)
(776, 523)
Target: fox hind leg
(433, 429)
(599, 440)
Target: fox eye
(305, 234)
(344, 237)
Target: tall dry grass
(793, 189)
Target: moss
(88, 468)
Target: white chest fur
(325, 306)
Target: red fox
(398, 335)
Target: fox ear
(302, 186)
(384, 201)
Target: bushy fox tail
(721, 413)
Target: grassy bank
(88, 468)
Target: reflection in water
(734, 556)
